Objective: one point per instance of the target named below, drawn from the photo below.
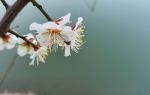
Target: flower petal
(1, 44)
(67, 50)
(80, 20)
(37, 27)
(11, 42)
(51, 25)
(67, 33)
(20, 41)
(22, 51)
(64, 20)
(43, 39)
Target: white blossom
(49, 34)
(26, 47)
(7, 41)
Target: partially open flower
(26, 47)
(7, 41)
(39, 55)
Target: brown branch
(22, 37)
(5, 4)
(11, 14)
(41, 9)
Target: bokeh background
(115, 59)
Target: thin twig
(41, 9)
(22, 37)
(8, 70)
(5, 4)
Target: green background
(115, 59)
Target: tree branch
(41, 9)
(5, 4)
(11, 14)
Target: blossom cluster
(48, 37)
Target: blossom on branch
(57, 33)
(49, 33)
(26, 47)
(7, 41)
(49, 36)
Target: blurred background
(115, 59)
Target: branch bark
(5, 4)
(11, 14)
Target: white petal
(20, 41)
(28, 36)
(80, 20)
(9, 46)
(67, 50)
(1, 44)
(33, 59)
(51, 25)
(21, 51)
(31, 50)
(43, 39)
(67, 34)
(65, 19)
(13, 39)
(36, 26)
(11, 42)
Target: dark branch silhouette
(41, 9)
(11, 14)
(5, 4)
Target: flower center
(5, 38)
(54, 31)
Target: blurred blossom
(17, 93)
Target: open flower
(7, 41)
(39, 55)
(26, 47)
(49, 33)
(73, 37)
